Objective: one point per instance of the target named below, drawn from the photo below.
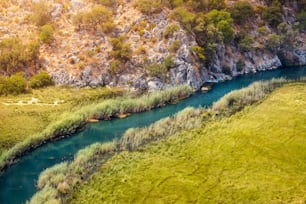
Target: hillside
(255, 156)
(149, 45)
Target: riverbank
(69, 122)
(256, 155)
(90, 158)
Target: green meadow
(25, 115)
(254, 156)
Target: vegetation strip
(63, 178)
(70, 122)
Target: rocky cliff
(83, 57)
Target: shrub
(157, 70)
(199, 52)
(122, 51)
(115, 67)
(241, 11)
(40, 80)
(46, 34)
(273, 14)
(184, 17)
(3, 86)
(301, 18)
(246, 43)
(15, 56)
(240, 65)
(227, 70)
(149, 6)
(168, 63)
(227, 31)
(99, 18)
(175, 46)
(170, 30)
(223, 22)
(273, 42)
(16, 84)
(41, 15)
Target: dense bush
(241, 11)
(301, 18)
(40, 80)
(273, 42)
(99, 18)
(14, 55)
(170, 30)
(107, 3)
(160, 70)
(122, 51)
(273, 14)
(149, 6)
(223, 22)
(41, 15)
(185, 17)
(199, 52)
(240, 65)
(246, 43)
(16, 84)
(46, 34)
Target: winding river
(17, 183)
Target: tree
(273, 14)
(241, 11)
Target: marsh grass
(89, 159)
(70, 122)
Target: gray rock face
(57, 10)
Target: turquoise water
(18, 182)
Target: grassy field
(255, 156)
(20, 118)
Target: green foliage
(240, 65)
(175, 46)
(185, 17)
(15, 56)
(227, 31)
(16, 84)
(41, 15)
(46, 34)
(273, 14)
(157, 70)
(170, 30)
(242, 11)
(148, 6)
(273, 42)
(246, 43)
(168, 63)
(115, 67)
(99, 18)
(122, 51)
(223, 22)
(43, 79)
(160, 70)
(288, 36)
(226, 70)
(199, 51)
(301, 18)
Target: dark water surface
(17, 183)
